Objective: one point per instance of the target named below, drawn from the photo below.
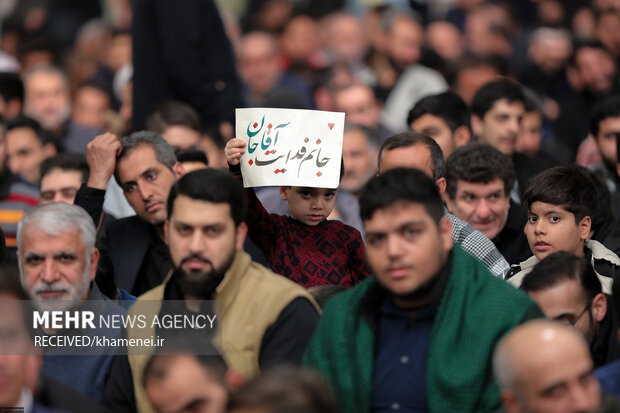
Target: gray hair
(47, 69)
(58, 218)
(163, 151)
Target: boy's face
(309, 205)
(551, 228)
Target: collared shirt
(477, 245)
(399, 374)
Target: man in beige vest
(265, 319)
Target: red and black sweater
(331, 253)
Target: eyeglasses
(572, 323)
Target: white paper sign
(290, 147)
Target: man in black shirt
(479, 179)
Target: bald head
(544, 366)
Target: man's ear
(511, 401)
(49, 150)
(599, 307)
(94, 260)
(462, 136)
(585, 225)
(179, 170)
(441, 185)
(476, 125)
(445, 230)
(283, 193)
(241, 232)
(234, 380)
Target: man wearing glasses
(567, 290)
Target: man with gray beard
(57, 263)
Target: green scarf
(475, 312)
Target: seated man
(414, 150)
(545, 367)
(559, 209)
(479, 179)
(609, 375)
(26, 145)
(566, 288)
(444, 117)
(61, 177)
(58, 261)
(419, 335)
(266, 319)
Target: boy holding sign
(305, 247)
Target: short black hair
(487, 95)
(448, 106)
(568, 187)
(213, 365)
(478, 163)
(11, 86)
(408, 139)
(94, 84)
(401, 185)
(192, 155)
(173, 113)
(603, 109)
(29, 123)
(601, 204)
(588, 44)
(211, 185)
(559, 267)
(66, 162)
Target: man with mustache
(145, 167)
(265, 318)
(58, 261)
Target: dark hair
(603, 109)
(211, 185)
(478, 163)
(401, 185)
(487, 95)
(285, 389)
(213, 365)
(600, 205)
(448, 106)
(588, 44)
(27, 122)
(562, 266)
(322, 293)
(93, 84)
(66, 162)
(11, 86)
(173, 113)
(163, 151)
(568, 187)
(192, 155)
(408, 139)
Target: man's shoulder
(487, 289)
(128, 225)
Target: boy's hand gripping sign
(290, 147)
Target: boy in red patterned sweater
(305, 247)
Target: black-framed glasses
(574, 321)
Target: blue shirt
(609, 377)
(399, 375)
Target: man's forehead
(139, 160)
(417, 156)
(504, 105)
(189, 210)
(491, 186)
(398, 213)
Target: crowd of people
(467, 261)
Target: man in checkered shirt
(415, 150)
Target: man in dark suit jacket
(145, 167)
(181, 52)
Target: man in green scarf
(419, 336)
